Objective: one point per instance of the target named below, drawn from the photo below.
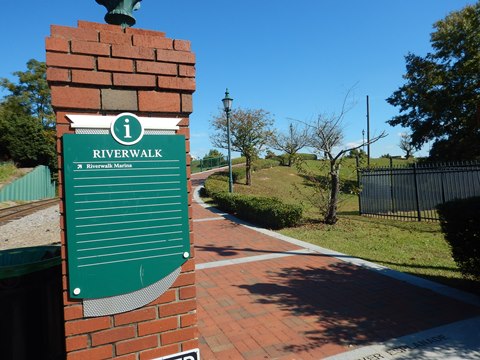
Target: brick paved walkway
(263, 298)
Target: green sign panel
(126, 209)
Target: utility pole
(368, 132)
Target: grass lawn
(412, 247)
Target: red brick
(113, 335)
(167, 297)
(186, 132)
(85, 326)
(188, 320)
(187, 103)
(55, 74)
(98, 26)
(178, 336)
(108, 37)
(149, 41)
(73, 312)
(176, 83)
(135, 80)
(75, 98)
(90, 48)
(70, 61)
(184, 122)
(185, 279)
(188, 292)
(135, 316)
(126, 357)
(157, 326)
(132, 52)
(103, 352)
(139, 344)
(181, 57)
(177, 308)
(158, 101)
(135, 31)
(182, 45)
(117, 65)
(56, 44)
(189, 265)
(186, 70)
(158, 68)
(91, 77)
(160, 352)
(62, 117)
(70, 33)
(76, 343)
(190, 345)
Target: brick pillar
(104, 69)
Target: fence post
(419, 214)
(391, 185)
(358, 186)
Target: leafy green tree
(440, 100)
(213, 153)
(360, 153)
(27, 126)
(250, 132)
(25, 140)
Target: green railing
(208, 163)
(35, 185)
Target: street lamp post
(227, 106)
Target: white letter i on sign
(127, 129)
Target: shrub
(460, 222)
(226, 201)
(307, 156)
(267, 212)
(240, 160)
(261, 164)
(215, 184)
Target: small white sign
(186, 355)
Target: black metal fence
(413, 192)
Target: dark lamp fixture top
(227, 101)
(120, 12)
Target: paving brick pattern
(302, 306)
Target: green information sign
(126, 209)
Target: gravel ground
(40, 228)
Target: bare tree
(406, 145)
(290, 143)
(326, 137)
(250, 131)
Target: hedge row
(460, 222)
(267, 212)
(264, 211)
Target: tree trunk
(248, 170)
(331, 217)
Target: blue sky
(295, 59)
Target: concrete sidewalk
(265, 296)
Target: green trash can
(31, 304)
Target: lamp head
(227, 102)
(120, 12)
